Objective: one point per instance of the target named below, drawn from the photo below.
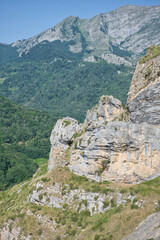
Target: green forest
(24, 141)
(52, 78)
(7, 53)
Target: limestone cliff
(144, 94)
(116, 143)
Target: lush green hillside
(52, 78)
(7, 53)
(24, 141)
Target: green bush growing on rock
(134, 206)
(105, 164)
(66, 123)
(105, 204)
(44, 179)
(152, 52)
(40, 197)
(65, 205)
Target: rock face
(148, 229)
(61, 138)
(118, 36)
(144, 95)
(108, 109)
(116, 143)
(118, 151)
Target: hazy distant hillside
(7, 53)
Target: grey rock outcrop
(79, 199)
(118, 151)
(117, 143)
(144, 94)
(145, 107)
(61, 138)
(148, 229)
(11, 232)
(107, 109)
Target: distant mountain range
(119, 36)
(65, 69)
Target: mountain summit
(117, 36)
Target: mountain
(65, 69)
(90, 190)
(24, 141)
(119, 36)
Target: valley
(80, 130)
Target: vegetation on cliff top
(152, 51)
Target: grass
(66, 223)
(66, 123)
(41, 161)
(152, 51)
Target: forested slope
(52, 78)
(24, 141)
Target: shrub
(96, 237)
(40, 232)
(79, 224)
(96, 197)
(44, 179)
(105, 204)
(66, 123)
(112, 202)
(74, 217)
(105, 164)
(135, 200)
(105, 191)
(39, 188)
(58, 238)
(65, 205)
(123, 191)
(40, 196)
(85, 213)
(133, 206)
(85, 202)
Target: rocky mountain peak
(119, 36)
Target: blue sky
(21, 19)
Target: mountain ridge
(105, 25)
